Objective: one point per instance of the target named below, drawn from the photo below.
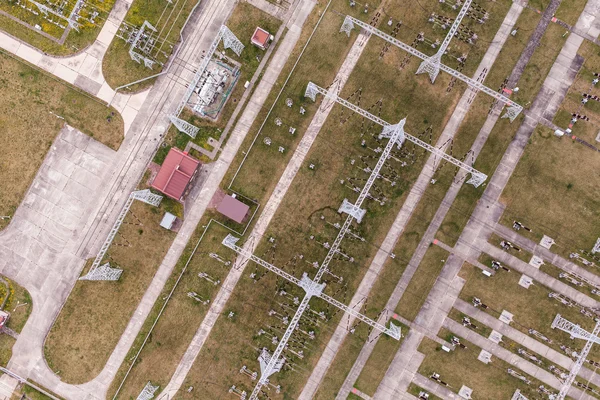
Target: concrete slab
(65, 73)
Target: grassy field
(30, 101)
(461, 367)
(168, 18)
(18, 305)
(75, 41)
(96, 313)
(559, 202)
(242, 23)
(532, 308)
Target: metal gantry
(269, 364)
(513, 109)
(71, 19)
(477, 177)
(148, 392)
(230, 41)
(576, 332)
(135, 56)
(517, 395)
(433, 63)
(145, 196)
(313, 287)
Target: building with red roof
(175, 174)
(261, 38)
(233, 209)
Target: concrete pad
(73, 137)
(495, 337)
(87, 84)
(107, 33)
(29, 54)
(547, 242)
(9, 43)
(506, 317)
(92, 164)
(128, 115)
(65, 73)
(88, 65)
(54, 177)
(72, 205)
(86, 178)
(38, 204)
(485, 357)
(77, 191)
(103, 153)
(120, 101)
(536, 262)
(137, 100)
(525, 281)
(105, 93)
(74, 62)
(465, 392)
(52, 242)
(96, 50)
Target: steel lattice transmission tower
(106, 272)
(135, 56)
(432, 64)
(71, 19)
(576, 332)
(230, 41)
(313, 287)
(512, 109)
(148, 392)
(477, 177)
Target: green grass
(78, 344)
(569, 11)
(559, 202)
(30, 101)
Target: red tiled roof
(260, 37)
(175, 173)
(233, 209)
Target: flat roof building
(175, 174)
(261, 38)
(233, 209)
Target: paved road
(561, 76)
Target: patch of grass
(569, 11)
(538, 193)
(76, 41)
(18, 304)
(423, 280)
(461, 367)
(168, 19)
(96, 313)
(30, 101)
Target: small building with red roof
(261, 38)
(233, 209)
(175, 174)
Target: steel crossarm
(572, 329)
(113, 232)
(199, 72)
(45, 9)
(455, 25)
(578, 332)
(481, 177)
(230, 242)
(264, 378)
(390, 332)
(469, 81)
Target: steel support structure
(432, 64)
(148, 392)
(230, 41)
(71, 19)
(312, 287)
(135, 56)
(513, 109)
(477, 177)
(517, 395)
(103, 273)
(596, 248)
(576, 332)
(145, 196)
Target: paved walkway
(488, 209)
(124, 173)
(84, 70)
(247, 119)
(404, 216)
